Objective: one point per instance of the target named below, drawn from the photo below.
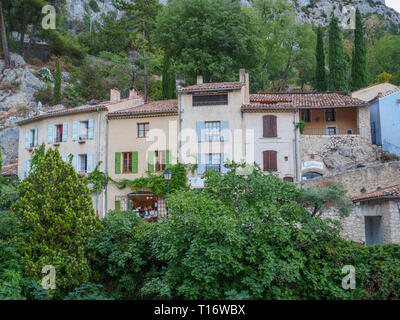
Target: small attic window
(210, 100)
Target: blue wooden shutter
(35, 138)
(75, 128)
(75, 162)
(50, 133)
(200, 131)
(65, 132)
(201, 165)
(64, 158)
(27, 136)
(91, 129)
(89, 163)
(224, 157)
(225, 130)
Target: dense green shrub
(56, 217)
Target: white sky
(395, 4)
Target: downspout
(106, 168)
(98, 153)
(296, 155)
(180, 127)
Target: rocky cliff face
(17, 87)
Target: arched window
(310, 175)
(270, 160)
(288, 179)
(269, 126)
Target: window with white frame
(31, 138)
(212, 130)
(83, 130)
(213, 161)
(58, 134)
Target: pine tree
(359, 65)
(168, 80)
(320, 77)
(57, 85)
(337, 61)
(56, 214)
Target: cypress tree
(57, 85)
(337, 60)
(359, 65)
(320, 77)
(168, 80)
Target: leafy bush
(88, 291)
(45, 95)
(45, 75)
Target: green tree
(168, 80)
(359, 77)
(57, 85)
(212, 38)
(320, 77)
(337, 61)
(56, 215)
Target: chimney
(244, 77)
(199, 79)
(115, 95)
(380, 94)
(133, 94)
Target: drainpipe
(296, 155)
(180, 126)
(106, 167)
(98, 153)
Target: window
(269, 127)
(31, 138)
(306, 115)
(160, 160)
(331, 131)
(311, 175)
(83, 130)
(143, 130)
(210, 100)
(270, 160)
(213, 161)
(83, 163)
(330, 115)
(127, 162)
(349, 131)
(213, 130)
(288, 179)
(58, 133)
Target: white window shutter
(201, 165)
(224, 158)
(35, 139)
(50, 133)
(225, 130)
(27, 135)
(91, 129)
(75, 162)
(75, 130)
(65, 132)
(89, 163)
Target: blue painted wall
(386, 115)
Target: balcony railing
(331, 131)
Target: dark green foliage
(57, 85)
(71, 97)
(168, 80)
(337, 61)
(320, 77)
(88, 291)
(213, 38)
(359, 65)
(44, 95)
(56, 216)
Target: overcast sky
(395, 4)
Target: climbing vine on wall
(156, 182)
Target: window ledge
(82, 141)
(57, 144)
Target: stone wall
(364, 180)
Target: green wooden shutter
(135, 162)
(118, 162)
(118, 205)
(150, 161)
(168, 158)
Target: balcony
(331, 131)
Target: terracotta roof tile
(289, 100)
(158, 106)
(384, 193)
(213, 86)
(10, 170)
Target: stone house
(376, 217)
(80, 132)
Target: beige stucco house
(80, 132)
(141, 139)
